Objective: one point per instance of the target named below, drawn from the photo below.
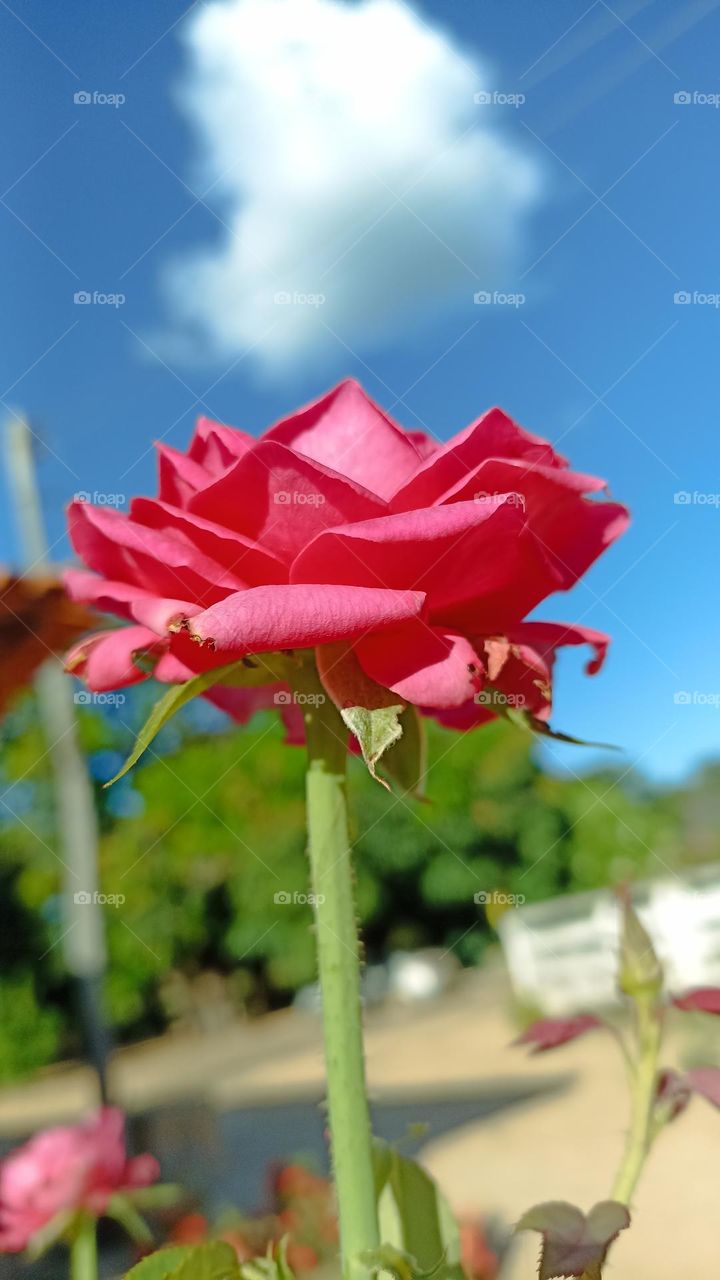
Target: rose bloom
(65, 1171)
(338, 525)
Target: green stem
(83, 1251)
(339, 967)
(643, 1078)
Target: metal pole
(83, 937)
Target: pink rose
(337, 525)
(64, 1171)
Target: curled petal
(107, 659)
(298, 616)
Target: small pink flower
(65, 1171)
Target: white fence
(563, 954)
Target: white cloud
(322, 124)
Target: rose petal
(573, 529)
(215, 447)
(105, 659)
(475, 562)
(347, 431)
(121, 549)
(248, 562)
(282, 500)
(492, 435)
(156, 612)
(287, 617)
(179, 477)
(424, 666)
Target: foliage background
(199, 840)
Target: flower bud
(640, 970)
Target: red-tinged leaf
(548, 1033)
(573, 1244)
(706, 1082)
(672, 1095)
(702, 1000)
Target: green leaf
(161, 1265)
(415, 1218)
(405, 760)
(122, 1211)
(573, 1244)
(369, 710)
(524, 720)
(217, 1261)
(235, 673)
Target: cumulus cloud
(360, 185)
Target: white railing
(562, 953)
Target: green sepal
(236, 674)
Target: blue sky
(599, 356)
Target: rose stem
(83, 1250)
(643, 1086)
(339, 968)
